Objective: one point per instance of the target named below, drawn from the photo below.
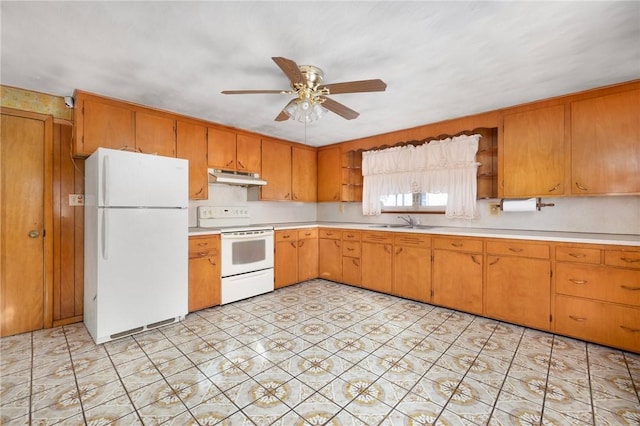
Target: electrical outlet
(76, 200)
(494, 209)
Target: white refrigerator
(136, 242)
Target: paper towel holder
(539, 204)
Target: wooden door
(329, 174)
(191, 144)
(222, 149)
(155, 134)
(376, 264)
(104, 125)
(533, 153)
(307, 259)
(248, 157)
(304, 174)
(276, 170)
(457, 280)
(330, 259)
(518, 290)
(25, 253)
(605, 150)
(412, 273)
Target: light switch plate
(76, 200)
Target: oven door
(246, 251)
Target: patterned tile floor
(318, 353)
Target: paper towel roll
(529, 205)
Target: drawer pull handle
(457, 244)
(203, 244)
(350, 249)
(629, 260)
(515, 250)
(473, 257)
(306, 234)
(202, 253)
(286, 236)
(579, 282)
(579, 319)
(577, 255)
(626, 287)
(629, 329)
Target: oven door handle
(228, 237)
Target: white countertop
(569, 237)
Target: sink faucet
(410, 221)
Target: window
(421, 202)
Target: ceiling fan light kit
(312, 101)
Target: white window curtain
(441, 166)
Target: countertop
(569, 237)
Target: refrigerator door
(142, 275)
(131, 179)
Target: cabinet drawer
(333, 234)
(203, 246)
(599, 322)
(418, 240)
(624, 258)
(307, 233)
(378, 237)
(287, 235)
(351, 248)
(600, 283)
(578, 254)
(461, 244)
(517, 248)
(350, 236)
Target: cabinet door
(155, 134)
(533, 153)
(518, 290)
(204, 282)
(351, 272)
(329, 174)
(286, 263)
(105, 125)
(307, 259)
(304, 176)
(276, 170)
(605, 152)
(412, 273)
(191, 144)
(376, 266)
(248, 154)
(222, 149)
(330, 259)
(457, 280)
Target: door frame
(47, 207)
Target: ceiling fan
(311, 95)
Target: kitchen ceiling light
(305, 110)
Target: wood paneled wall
(68, 229)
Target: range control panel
(222, 212)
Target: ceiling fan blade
(283, 116)
(376, 85)
(339, 109)
(290, 69)
(254, 92)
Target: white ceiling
(440, 60)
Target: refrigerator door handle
(105, 232)
(105, 180)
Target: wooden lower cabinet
(204, 272)
(286, 258)
(351, 264)
(412, 267)
(457, 280)
(518, 283)
(330, 254)
(307, 254)
(377, 261)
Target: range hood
(235, 178)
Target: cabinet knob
(34, 234)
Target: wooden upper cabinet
(191, 144)
(533, 156)
(248, 154)
(276, 170)
(221, 148)
(155, 134)
(102, 123)
(605, 144)
(304, 174)
(329, 174)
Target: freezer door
(142, 275)
(131, 179)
